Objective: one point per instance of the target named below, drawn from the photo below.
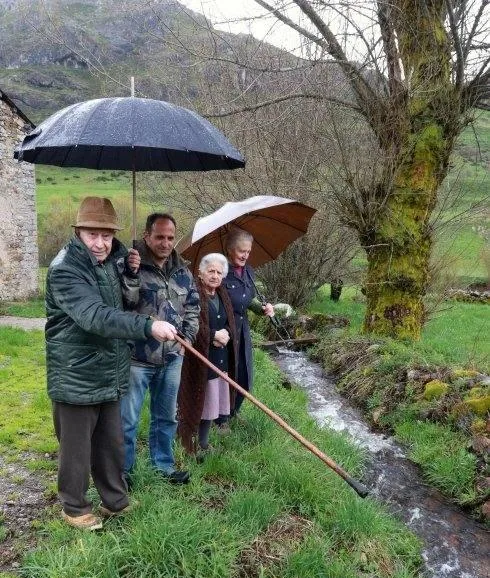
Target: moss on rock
(478, 426)
(479, 405)
(458, 372)
(435, 389)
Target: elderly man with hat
(88, 360)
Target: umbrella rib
(198, 155)
(68, 151)
(264, 249)
(170, 165)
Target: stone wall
(19, 266)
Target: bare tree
(415, 71)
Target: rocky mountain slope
(56, 52)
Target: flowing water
(455, 546)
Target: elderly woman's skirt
(217, 400)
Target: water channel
(455, 545)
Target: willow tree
(416, 69)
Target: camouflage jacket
(168, 293)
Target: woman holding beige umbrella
(250, 232)
(240, 286)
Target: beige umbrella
(274, 223)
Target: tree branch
(390, 47)
(474, 28)
(359, 84)
(460, 59)
(279, 99)
(479, 88)
(364, 93)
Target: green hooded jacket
(87, 354)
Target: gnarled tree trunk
(399, 248)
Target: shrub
(54, 231)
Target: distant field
(62, 189)
(466, 206)
(55, 185)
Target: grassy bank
(260, 506)
(433, 395)
(30, 309)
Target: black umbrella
(136, 134)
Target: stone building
(19, 266)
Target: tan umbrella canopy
(274, 222)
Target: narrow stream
(455, 546)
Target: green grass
(442, 453)
(32, 308)
(476, 138)
(458, 334)
(69, 186)
(260, 485)
(462, 253)
(25, 410)
(464, 324)
(350, 305)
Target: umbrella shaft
(133, 226)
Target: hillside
(54, 53)
(71, 51)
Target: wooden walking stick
(355, 484)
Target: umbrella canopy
(274, 222)
(129, 133)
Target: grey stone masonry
(19, 268)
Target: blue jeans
(163, 383)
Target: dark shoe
(202, 453)
(223, 429)
(239, 418)
(177, 477)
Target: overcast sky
(244, 16)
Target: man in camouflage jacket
(167, 292)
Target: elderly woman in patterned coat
(203, 394)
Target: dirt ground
(22, 322)
(22, 502)
(22, 492)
